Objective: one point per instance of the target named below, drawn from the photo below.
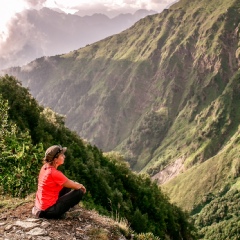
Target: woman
(55, 195)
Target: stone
(37, 232)
(26, 225)
(33, 220)
(44, 238)
(45, 225)
(88, 227)
(8, 227)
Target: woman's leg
(64, 191)
(63, 204)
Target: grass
(124, 226)
(236, 185)
(189, 188)
(8, 202)
(98, 233)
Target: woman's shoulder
(57, 172)
(58, 176)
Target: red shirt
(50, 183)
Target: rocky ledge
(18, 223)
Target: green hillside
(216, 129)
(165, 94)
(112, 188)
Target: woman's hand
(74, 185)
(81, 187)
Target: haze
(15, 28)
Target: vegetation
(165, 89)
(217, 129)
(111, 186)
(142, 90)
(220, 218)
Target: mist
(39, 31)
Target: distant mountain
(113, 13)
(47, 32)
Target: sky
(10, 8)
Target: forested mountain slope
(164, 93)
(27, 129)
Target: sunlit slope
(220, 172)
(202, 54)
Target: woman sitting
(55, 196)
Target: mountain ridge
(54, 32)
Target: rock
(8, 227)
(88, 227)
(26, 224)
(33, 220)
(37, 232)
(45, 225)
(44, 238)
(18, 224)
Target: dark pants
(67, 199)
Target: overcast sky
(9, 8)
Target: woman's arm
(74, 185)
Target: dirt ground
(78, 224)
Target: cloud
(113, 8)
(36, 4)
(20, 44)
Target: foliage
(162, 90)
(218, 126)
(19, 158)
(142, 68)
(180, 60)
(20, 99)
(114, 92)
(111, 185)
(220, 218)
(147, 135)
(145, 236)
